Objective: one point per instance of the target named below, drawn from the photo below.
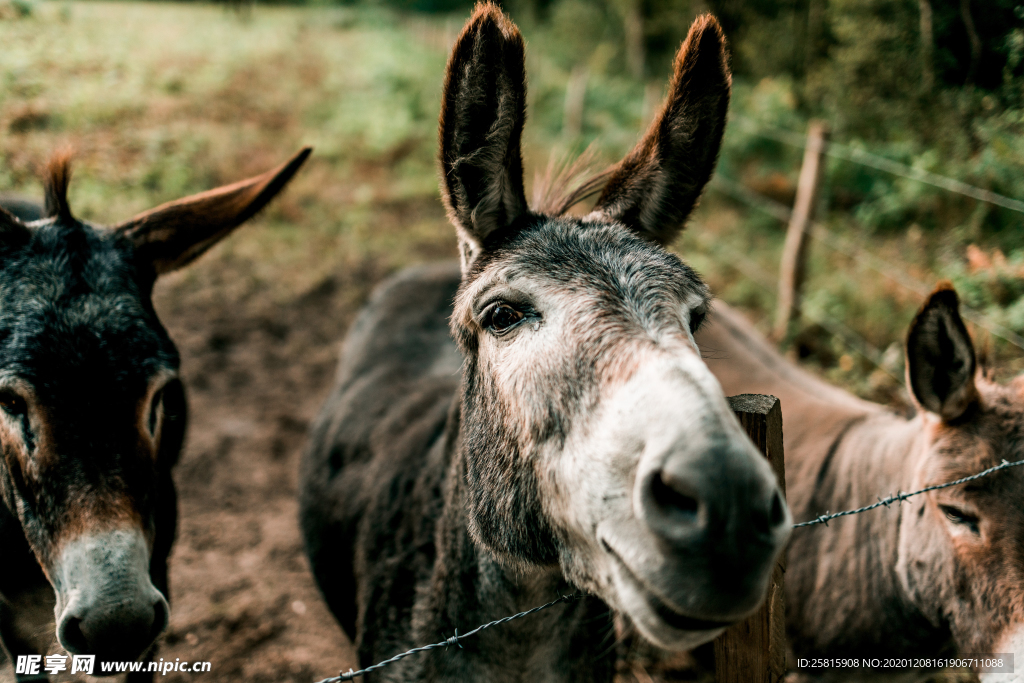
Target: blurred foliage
(165, 99)
(950, 102)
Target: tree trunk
(972, 35)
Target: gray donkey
(92, 418)
(583, 445)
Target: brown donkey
(939, 574)
(569, 437)
(92, 417)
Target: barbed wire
(845, 246)
(447, 642)
(865, 158)
(900, 497)
(856, 342)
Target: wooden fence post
(794, 252)
(754, 650)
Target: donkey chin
(690, 540)
(106, 603)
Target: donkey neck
(470, 586)
(852, 585)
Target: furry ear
(940, 357)
(176, 233)
(483, 109)
(655, 187)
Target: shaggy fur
(92, 415)
(938, 575)
(578, 444)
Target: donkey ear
(654, 188)
(176, 233)
(482, 113)
(940, 357)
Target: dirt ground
(243, 595)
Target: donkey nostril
(769, 520)
(778, 513)
(670, 498)
(72, 638)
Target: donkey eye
(502, 317)
(13, 404)
(697, 317)
(958, 516)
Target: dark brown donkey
(582, 445)
(940, 574)
(92, 416)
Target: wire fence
(900, 497)
(756, 273)
(865, 158)
(448, 642)
(821, 519)
(849, 248)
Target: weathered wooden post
(754, 650)
(794, 252)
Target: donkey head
(593, 436)
(92, 412)
(961, 553)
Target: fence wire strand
(900, 497)
(447, 642)
(754, 272)
(847, 247)
(865, 158)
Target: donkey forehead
(991, 433)
(72, 300)
(601, 263)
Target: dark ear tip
(942, 298)
(296, 162)
(487, 15)
(708, 22)
(704, 51)
(944, 294)
(707, 35)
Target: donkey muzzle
(106, 603)
(718, 517)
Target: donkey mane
(55, 183)
(566, 182)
